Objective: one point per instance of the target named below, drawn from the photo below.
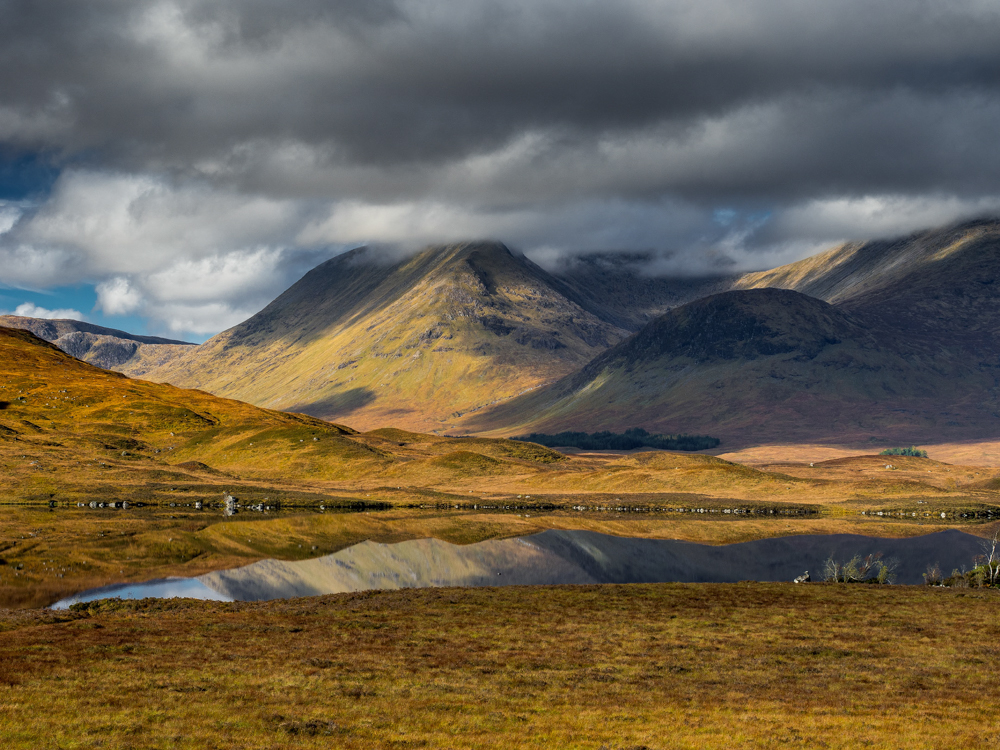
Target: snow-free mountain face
(884, 340)
(417, 342)
(107, 348)
(908, 352)
(940, 285)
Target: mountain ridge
(473, 337)
(108, 348)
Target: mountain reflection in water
(162, 588)
(557, 557)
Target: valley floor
(981, 453)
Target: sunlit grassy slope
(59, 408)
(417, 342)
(858, 269)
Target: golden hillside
(418, 342)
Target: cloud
(825, 221)
(118, 297)
(210, 150)
(189, 256)
(126, 223)
(204, 295)
(31, 310)
(424, 82)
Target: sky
(169, 167)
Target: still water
(161, 588)
(553, 557)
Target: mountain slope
(63, 409)
(416, 342)
(107, 348)
(933, 281)
(473, 338)
(767, 365)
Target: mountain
(894, 340)
(769, 365)
(417, 342)
(108, 348)
(938, 285)
(883, 340)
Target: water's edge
(551, 557)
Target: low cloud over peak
(31, 310)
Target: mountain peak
(417, 341)
(744, 324)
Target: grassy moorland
(638, 666)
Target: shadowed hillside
(108, 348)
(767, 365)
(939, 285)
(415, 342)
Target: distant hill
(416, 342)
(107, 348)
(893, 340)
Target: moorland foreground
(644, 665)
(639, 666)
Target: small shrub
(870, 569)
(911, 451)
(985, 572)
(934, 576)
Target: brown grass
(655, 666)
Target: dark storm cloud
(242, 138)
(857, 94)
